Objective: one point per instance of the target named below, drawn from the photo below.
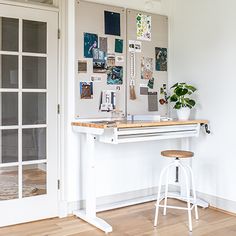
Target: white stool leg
(194, 192)
(166, 190)
(188, 198)
(159, 193)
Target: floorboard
(132, 221)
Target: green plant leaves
(189, 87)
(180, 91)
(177, 105)
(190, 102)
(175, 85)
(174, 98)
(181, 94)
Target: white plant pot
(183, 113)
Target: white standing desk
(116, 132)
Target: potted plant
(181, 98)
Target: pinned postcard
(99, 61)
(135, 46)
(151, 83)
(161, 59)
(115, 75)
(96, 79)
(146, 68)
(144, 27)
(111, 61)
(86, 90)
(112, 23)
(82, 66)
(143, 89)
(90, 42)
(119, 45)
(119, 59)
(103, 44)
(152, 101)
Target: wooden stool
(177, 154)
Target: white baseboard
(220, 203)
(147, 195)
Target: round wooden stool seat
(177, 154)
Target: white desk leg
(89, 214)
(185, 146)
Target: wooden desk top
(134, 124)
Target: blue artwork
(90, 42)
(115, 75)
(161, 59)
(112, 23)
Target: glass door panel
(34, 72)
(9, 29)
(8, 71)
(34, 180)
(34, 144)
(34, 36)
(8, 146)
(33, 108)
(8, 183)
(9, 108)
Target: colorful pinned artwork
(119, 45)
(161, 59)
(146, 68)
(152, 101)
(115, 75)
(103, 44)
(86, 90)
(135, 46)
(82, 66)
(112, 23)
(99, 61)
(144, 26)
(111, 59)
(151, 83)
(90, 42)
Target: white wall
(203, 52)
(122, 168)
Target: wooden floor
(132, 221)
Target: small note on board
(152, 101)
(143, 89)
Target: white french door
(28, 114)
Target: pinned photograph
(90, 42)
(151, 83)
(146, 68)
(143, 89)
(144, 27)
(111, 59)
(99, 61)
(119, 59)
(82, 66)
(86, 90)
(115, 75)
(119, 45)
(96, 79)
(161, 59)
(112, 23)
(135, 46)
(138, 46)
(103, 44)
(152, 101)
